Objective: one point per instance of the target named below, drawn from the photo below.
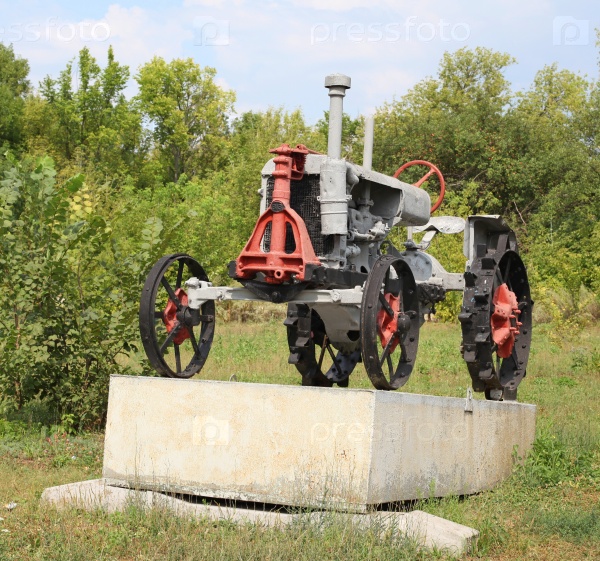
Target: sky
(278, 53)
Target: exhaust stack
(368, 148)
(337, 85)
(334, 198)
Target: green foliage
(91, 127)
(352, 136)
(552, 462)
(188, 113)
(531, 156)
(13, 88)
(69, 296)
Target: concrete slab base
(305, 446)
(426, 529)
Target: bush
(68, 296)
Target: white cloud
(138, 34)
(208, 3)
(278, 51)
(349, 5)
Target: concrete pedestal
(425, 529)
(292, 445)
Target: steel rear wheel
(496, 321)
(176, 338)
(389, 323)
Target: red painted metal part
(505, 311)
(278, 265)
(170, 320)
(432, 169)
(387, 325)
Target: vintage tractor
(320, 245)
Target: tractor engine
(340, 210)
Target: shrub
(68, 296)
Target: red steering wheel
(432, 169)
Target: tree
(562, 167)
(352, 136)
(14, 86)
(455, 121)
(188, 113)
(91, 123)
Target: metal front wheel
(176, 338)
(389, 320)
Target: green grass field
(548, 510)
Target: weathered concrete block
(292, 445)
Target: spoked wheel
(176, 338)
(313, 353)
(496, 324)
(389, 323)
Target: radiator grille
(304, 201)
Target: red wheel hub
(504, 329)
(387, 325)
(170, 320)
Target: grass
(547, 510)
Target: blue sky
(278, 53)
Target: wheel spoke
(386, 352)
(193, 340)
(390, 365)
(322, 355)
(158, 314)
(498, 277)
(507, 270)
(394, 286)
(386, 305)
(169, 339)
(180, 273)
(177, 358)
(333, 357)
(514, 356)
(171, 293)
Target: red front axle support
(278, 265)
